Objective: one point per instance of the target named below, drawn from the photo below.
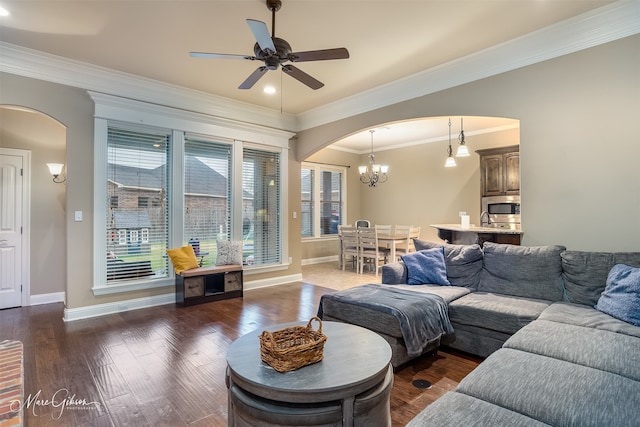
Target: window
(165, 177)
(137, 169)
(306, 214)
(207, 196)
(261, 207)
(323, 199)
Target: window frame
(317, 169)
(111, 109)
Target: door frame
(26, 219)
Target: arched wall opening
(44, 138)
(420, 191)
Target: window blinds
(137, 213)
(261, 207)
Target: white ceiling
(387, 41)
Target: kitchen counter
(456, 234)
(474, 229)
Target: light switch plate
(78, 215)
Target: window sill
(320, 239)
(133, 286)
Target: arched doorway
(29, 140)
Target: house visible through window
(207, 196)
(137, 170)
(323, 199)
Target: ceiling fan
(274, 52)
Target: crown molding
(608, 23)
(43, 66)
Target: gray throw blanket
(423, 317)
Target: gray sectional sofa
(552, 357)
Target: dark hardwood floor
(165, 366)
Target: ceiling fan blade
(253, 78)
(302, 77)
(261, 33)
(319, 55)
(219, 55)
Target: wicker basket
(291, 348)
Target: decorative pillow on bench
(621, 296)
(183, 258)
(426, 267)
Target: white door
(11, 190)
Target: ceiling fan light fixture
(275, 52)
(269, 90)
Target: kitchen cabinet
(500, 171)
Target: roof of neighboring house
(131, 219)
(208, 182)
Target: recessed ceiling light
(269, 90)
(3, 11)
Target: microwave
(500, 212)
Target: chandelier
(373, 173)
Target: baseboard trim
(320, 260)
(71, 314)
(274, 281)
(49, 298)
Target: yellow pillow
(183, 258)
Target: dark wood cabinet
(500, 171)
(206, 284)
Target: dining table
(391, 240)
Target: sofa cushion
(446, 411)
(463, 262)
(554, 391)
(585, 273)
(621, 296)
(394, 273)
(524, 271)
(581, 315)
(497, 312)
(426, 267)
(582, 345)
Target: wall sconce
(55, 169)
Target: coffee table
(352, 382)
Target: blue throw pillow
(621, 296)
(426, 267)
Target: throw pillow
(621, 296)
(229, 252)
(183, 258)
(426, 267)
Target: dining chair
(363, 223)
(369, 249)
(385, 230)
(414, 233)
(349, 247)
(403, 232)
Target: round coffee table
(356, 362)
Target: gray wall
(578, 116)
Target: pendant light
(451, 162)
(463, 151)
